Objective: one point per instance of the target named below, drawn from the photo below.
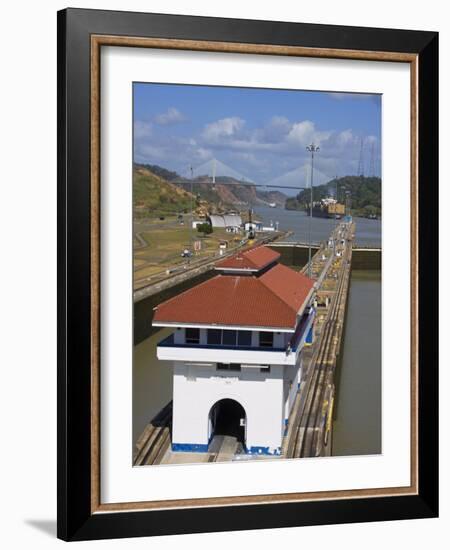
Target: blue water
(368, 232)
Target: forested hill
(163, 173)
(153, 195)
(365, 194)
(227, 191)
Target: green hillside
(364, 195)
(153, 195)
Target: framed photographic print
(247, 274)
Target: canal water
(357, 414)
(357, 425)
(152, 382)
(368, 232)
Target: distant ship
(272, 204)
(328, 208)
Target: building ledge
(168, 350)
(170, 342)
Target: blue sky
(260, 134)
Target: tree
(370, 210)
(205, 228)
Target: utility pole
(361, 159)
(192, 209)
(347, 203)
(311, 149)
(335, 216)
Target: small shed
(225, 220)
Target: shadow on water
(357, 425)
(152, 382)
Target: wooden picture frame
(81, 35)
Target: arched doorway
(227, 417)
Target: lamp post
(311, 149)
(335, 217)
(347, 202)
(191, 236)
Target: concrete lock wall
(196, 389)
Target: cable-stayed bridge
(299, 178)
(214, 167)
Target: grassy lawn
(146, 272)
(165, 246)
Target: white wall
(197, 388)
(28, 141)
(292, 376)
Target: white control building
(236, 352)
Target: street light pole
(311, 149)
(192, 213)
(335, 217)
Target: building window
(229, 366)
(244, 338)
(266, 339)
(192, 336)
(214, 337)
(229, 337)
(265, 369)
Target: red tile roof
(289, 285)
(253, 259)
(270, 301)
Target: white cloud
(171, 116)
(276, 129)
(203, 154)
(265, 152)
(225, 127)
(142, 129)
(301, 132)
(345, 137)
(296, 135)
